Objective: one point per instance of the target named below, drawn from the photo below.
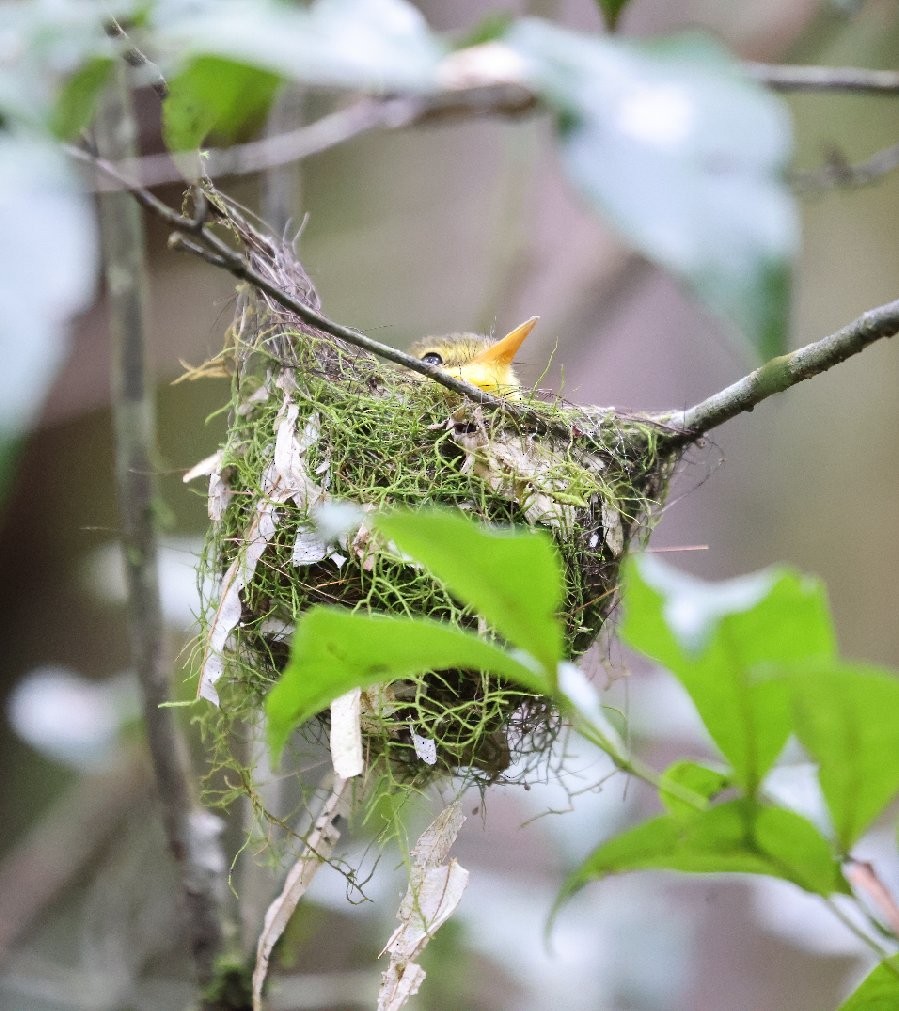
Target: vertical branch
(191, 832)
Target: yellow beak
(503, 352)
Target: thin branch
(783, 372)
(838, 172)
(362, 116)
(864, 877)
(318, 845)
(850, 924)
(196, 237)
(134, 57)
(683, 427)
(499, 98)
(858, 80)
(191, 832)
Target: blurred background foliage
(471, 225)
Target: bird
(479, 360)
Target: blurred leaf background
(466, 226)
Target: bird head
(478, 360)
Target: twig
(402, 111)
(134, 57)
(196, 237)
(781, 373)
(864, 877)
(681, 427)
(839, 172)
(191, 840)
(361, 117)
(318, 845)
(850, 924)
(859, 80)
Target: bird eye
(432, 358)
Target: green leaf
(847, 717)
(723, 641)
(611, 11)
(685, 156)
(378, 46)
(335, 650)
(512, 578)
(879, 991)
(214, 95)
(76, 101)
(491, 28)
(739, 836)
(700, 781)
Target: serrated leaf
(214, 95)
(739, 836)
(723, 642)
(879, 991)
(512, 578)
(847, 717)
(701, 782)
(685, 156)
(335, 650)
(77, 99)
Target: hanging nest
(315, 421)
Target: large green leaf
(723, 641)
(684, 155)
(214, 95)
(879, 991)
(512, 578)
(371, 45)
(739, 836)
(847, 717)
(335, 650)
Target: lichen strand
(369, 434)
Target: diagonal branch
(136, 58)
(354, 120)
(679, 427)
(839, 172)
(783, 372)
(194, 236)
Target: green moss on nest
(367, 433)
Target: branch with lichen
(193, 234)
(779, 374)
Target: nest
(314, 421)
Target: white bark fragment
(285, 478)
(346, 734)
(319, 845)
(435, 889)
(425, 748)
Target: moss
(357, 430)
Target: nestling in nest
(314, 421)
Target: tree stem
(191, 832)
